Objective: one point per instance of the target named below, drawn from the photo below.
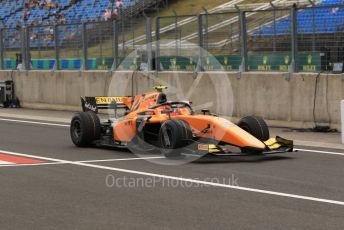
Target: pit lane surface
(72, 188)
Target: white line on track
(9, 164)
(319, 151)
(34, 122)
(6, 163)
(35, 164)
(281, 194)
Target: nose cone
(224, 131)
(230, 133)
(244, 139)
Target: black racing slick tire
(173, 136)
(256, 126)
(84, 128)
(96, 125)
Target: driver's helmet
(162, 98)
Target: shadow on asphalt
(241, 159)
(212, 159)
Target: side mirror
(205, 111)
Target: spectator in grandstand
(50, 5)
(334, 10)
(38, 22)
(119, 4)
(49, 37)
(48, 30)
(33, 3)
(42, 4)
(33, 36)
(60, 19)
(107, 14)
(26, 14)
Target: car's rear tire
(84, 128)
(174, 135)
(96, 130)
(256, 126)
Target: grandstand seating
(84, 10)
(8, 7)
(11, 12)
(81, 11)
(326, 20)
(40, 22)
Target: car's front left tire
(173, 136)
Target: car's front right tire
(256, 126)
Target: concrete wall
(282, 102)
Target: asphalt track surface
(77, 188)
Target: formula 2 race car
(151, 122)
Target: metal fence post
(274, 37)
(23, 36)
(28, 53)
(122, 18)
(176, 31)
(313, 25)
(157, 52)
(84, 46)
(206, 38)
(243, 32)
(200, 43)
(294, 65)
(56, 47)
(149, 42)
(1, 49)
(313, 30)
(28, 49)
(115, 45)
(24, 48)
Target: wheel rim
(166, 137)
(76, 129)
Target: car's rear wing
(103, 102)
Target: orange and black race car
(152, 123)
